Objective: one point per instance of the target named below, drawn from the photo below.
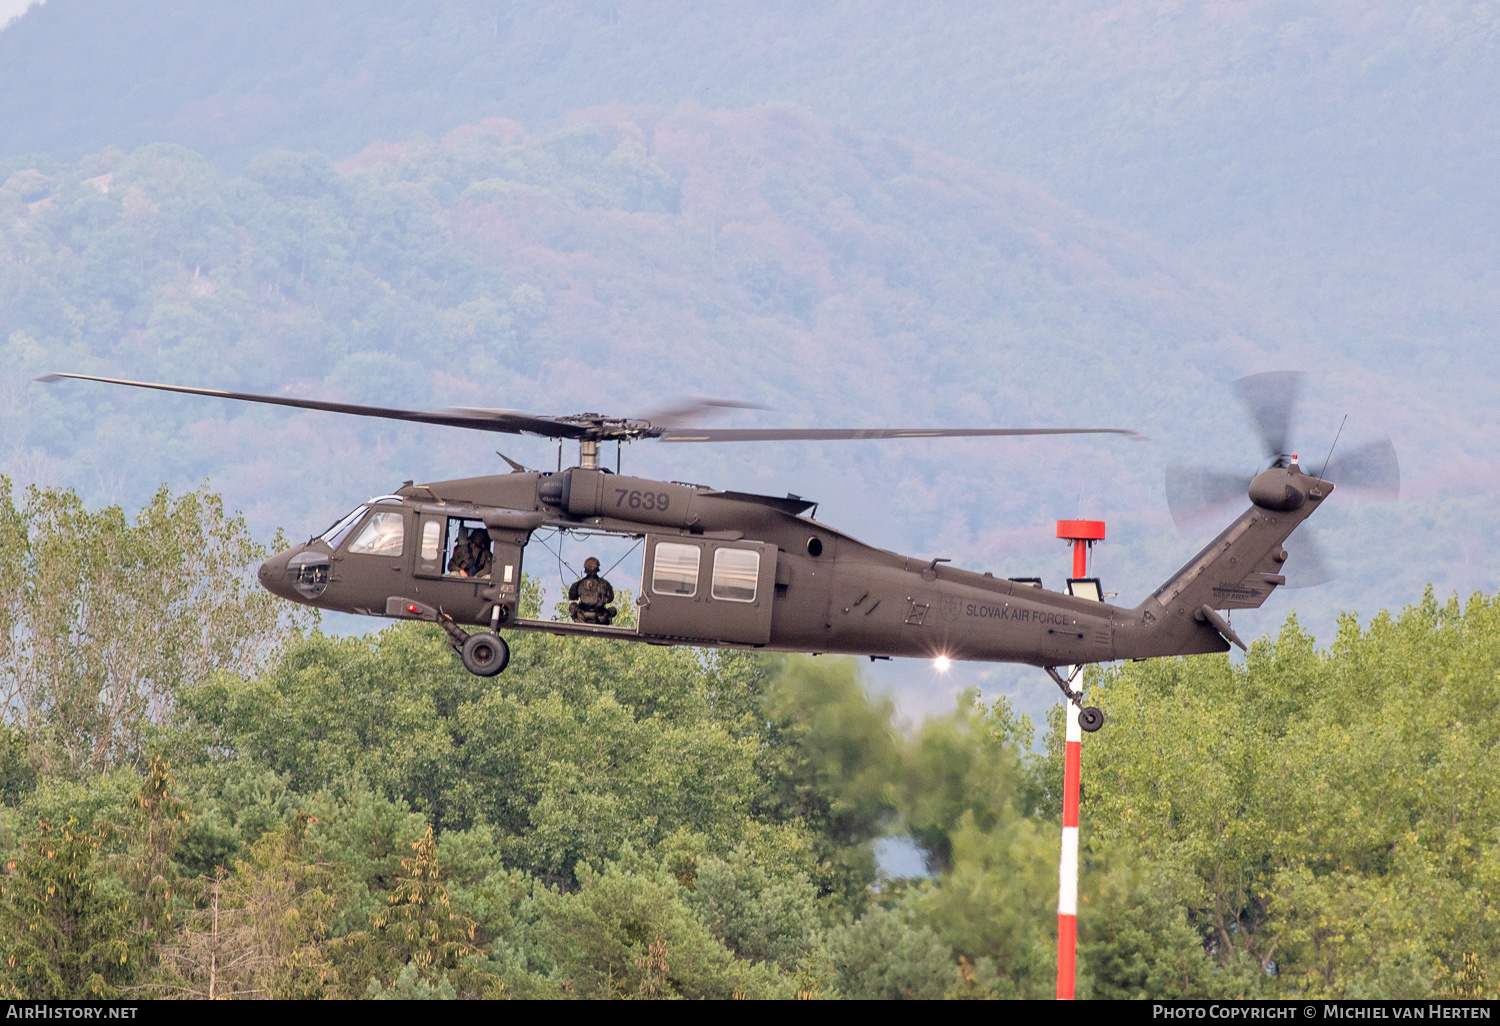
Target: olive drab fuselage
(731, 569)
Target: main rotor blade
(673, 415)
(502, 421)
(840, 434)
(1306, 566)
(1193, 492)
(506, 421)
(1271, 401)
(1372, 469)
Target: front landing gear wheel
(1090, 719)
(485, 654)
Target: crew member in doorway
(471, 557)
(591, 596)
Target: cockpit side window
(336, 534)
(383, 535)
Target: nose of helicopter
(299, 574)
(273, 577)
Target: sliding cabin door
(701, 590)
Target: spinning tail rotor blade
(1195, 492)
(1271, 401)
(1371, 469)
(1306, 566)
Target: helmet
(591, 565)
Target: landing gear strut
(1090, 718)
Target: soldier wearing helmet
(591, 596)
(471, 556)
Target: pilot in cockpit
(471, 556)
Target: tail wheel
(485, 654)
(1090, 718)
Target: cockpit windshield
(339, 531)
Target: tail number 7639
(641, 500)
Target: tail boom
(1237, 570)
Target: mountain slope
(1336, 160)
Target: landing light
(941, 664)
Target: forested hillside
(1337, 160)
(294, 815)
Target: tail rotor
(1272, 401)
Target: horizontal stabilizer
(1206, 613)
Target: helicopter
(732, 569)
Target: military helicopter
(732, 569)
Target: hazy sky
(13, 8)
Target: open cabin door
(705, 590)
(446, 576)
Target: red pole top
(1081, 530)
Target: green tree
(160, 818)
(627, 933)
(590, 746)
(759, 916)
(289, 899)
(834, 760)
(968, 762)
(66, 925)
(1330, 816)
(106, 622)
(1136, 940)
(888, 954)
(421, 934)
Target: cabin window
(675, 569)
(336, 534)
(432, 541)
(735, 575)
(382, 536)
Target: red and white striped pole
(1067, 867)
(1081, 534)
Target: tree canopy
(299, 815)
